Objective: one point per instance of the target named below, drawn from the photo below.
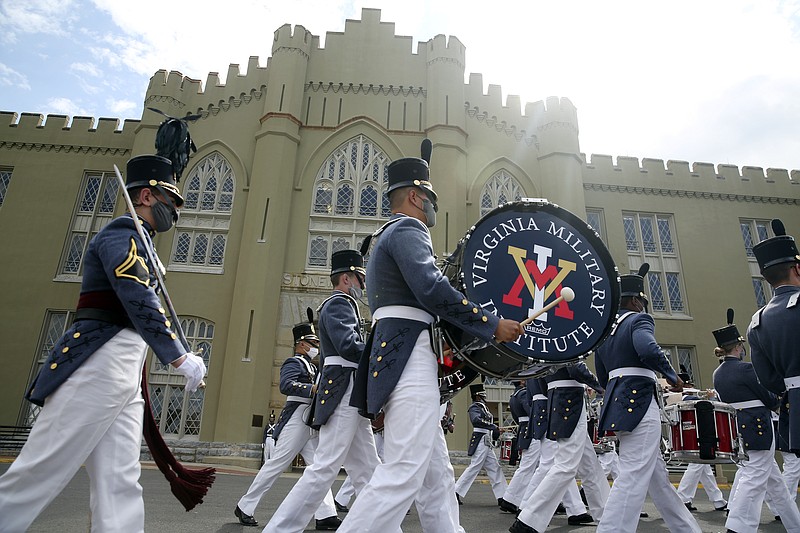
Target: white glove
(193, 368)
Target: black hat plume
(174, 142)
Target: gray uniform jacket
(297, 378)
(537, 426)
(627, 398)
(401, 271)
(120, 283)
(565, 404)
(481, 418)
(736, 381)
(339, 336)
(774, 338)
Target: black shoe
(341, 508)
(561, 509)
(458, 498)
(331, 523)
(644, 515)
(690, 506)
(777, 518)
(507, 507)
(723, 508)
(578, 519)
(244, 519)
(521, 527)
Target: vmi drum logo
(519, 259)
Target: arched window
(202, 230)
(177, 411)
(348, 191)
(500, 189)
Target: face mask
(430, 213)
(356, 292)
(164, 216)
(312, 352)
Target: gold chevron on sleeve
(134, 267)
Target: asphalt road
(70, 511)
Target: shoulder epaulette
(793, 300)
(756, 320)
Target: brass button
(173, 336)
(567, 409)
(167, 323)
(464, 301)
(322, 401)
(65, 349)
(613, 425)
(569, 401)
(375, 374)
(565, 418)
(475, 310)
(632, 401)
(630, 410)
(161, 310)
(380, 358)
(330, 381)
(326, 391)
(53, 366)
(634, 391)
(483, 318)
(76, 334)
(383, 344)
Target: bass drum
(515, 261)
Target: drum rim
(604, 256)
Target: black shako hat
(776, 250)
(477, 389)
(152, 171)
(633, 284)
(347, 261)
(413, 172)
(304, 332)
(727, 335)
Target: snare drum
(701, 431)
(515, 261)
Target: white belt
(299, 399)
(524, 418)
(792, 383)
(539, 397)
(336, 360)
(560, 383)
(482, 430)
(403, 311)
(632, 371)
(747, 404)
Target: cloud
(65, 106)
(121, 107)
(11, 78)
(37, 16)
(86, 68)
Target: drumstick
(567, 295)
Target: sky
(714, 81)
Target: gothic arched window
(202, 230)
(500, 189)
(349, 200)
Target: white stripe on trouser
(572, 497)
(296, 437)
(575, 455)
(643, 471)
(522, 477)
(94, 418)
(484, 457)
(700, 473)
(756, 478)
(411, 422)
(345, 439)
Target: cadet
(520, 404)
(292, 435)
(90, 384)
(484, 430)
(626, 364)
(758, 475)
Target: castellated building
(290, 166)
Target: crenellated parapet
(701, 179)
(440, 49)
(297, 40)
(57, 133)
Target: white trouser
(791, 472)
(609, 461)
(93, 418)
(642, 470)
(522, 477)
(269, 445)
(411, 423)
(296, 437)
(759, 476)
(484, 457)
(347, 490)
(572, 497)
(436, 500)
(345, 439)
(575, 455)
(700, 473)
